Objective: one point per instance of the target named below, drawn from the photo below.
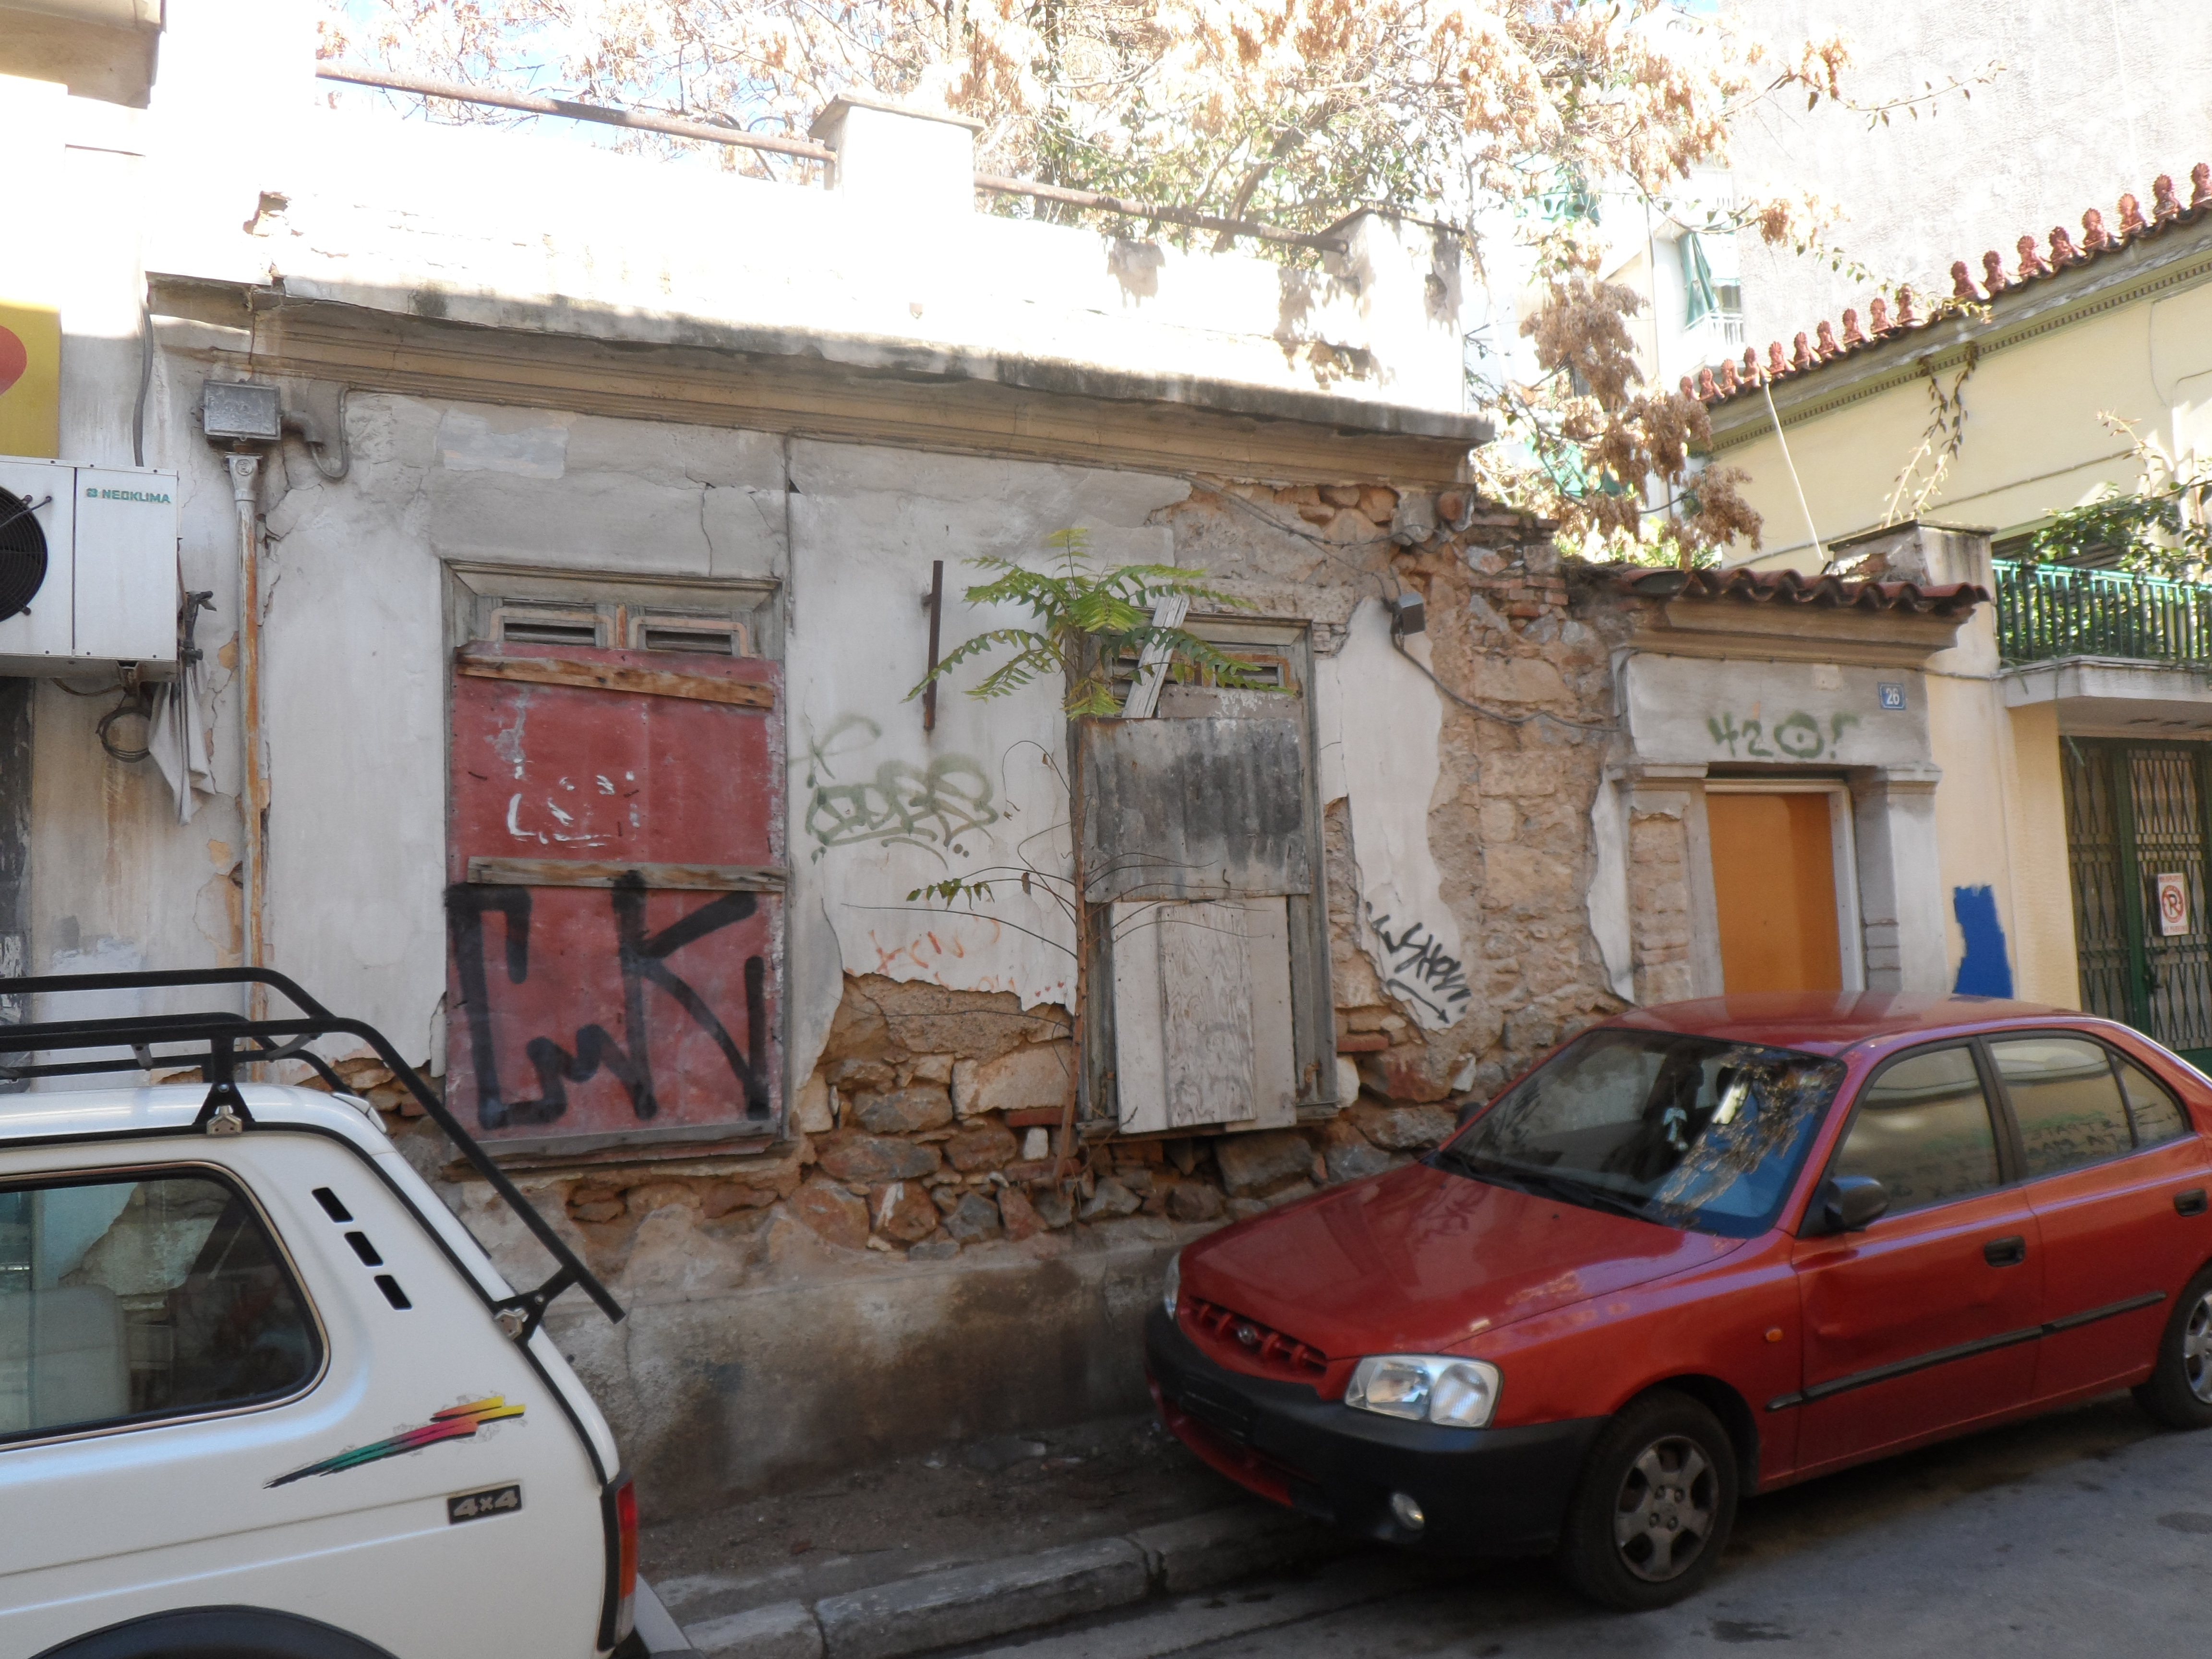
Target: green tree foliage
(1086, 621)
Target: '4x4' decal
(454, 1423)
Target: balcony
(2048, 612)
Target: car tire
(1653, 1509)
(2180, 1391)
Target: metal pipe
(460, 93)
(244, 489)
(1160, 210)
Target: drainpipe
(244, 489)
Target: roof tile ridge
(2097, 240)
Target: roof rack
(219, 1041)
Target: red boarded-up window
(615, 910)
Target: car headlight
(1459, 1394)
(1172, 1288)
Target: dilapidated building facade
(547, 703)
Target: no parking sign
(2172, 905)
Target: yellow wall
(36, 228)
(2043, 965)
(2033, 444)
(30, 379)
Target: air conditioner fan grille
(23, 555)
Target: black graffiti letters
(1420, 970)
(642, 958)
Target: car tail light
(618, 1613)
(625, 1559)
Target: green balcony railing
(2047, 610)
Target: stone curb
(1020, 1593)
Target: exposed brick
(874, 1158)
(982, 1145)
(1019, 1215)
(720, 1200)
(904, 1111)
(834, 1213)
(902, 1210)
(1254, 1165)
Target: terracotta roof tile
(1720, 383)
(1787, 587)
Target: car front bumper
(1482, 1491)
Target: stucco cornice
(849, 388)
(2181, 258)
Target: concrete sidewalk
(972, 1544)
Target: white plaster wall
(1380, 721)
(1697, 711)
(116, 882)
(973, 796)
(484, 223)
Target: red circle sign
(14, 358)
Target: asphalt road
(2089, 1533)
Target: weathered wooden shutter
(1201, 842)
(615, 906)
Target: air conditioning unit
(87, 567)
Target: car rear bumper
(1483, 1492)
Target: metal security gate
(2137, 833)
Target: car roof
(1829, 1021)
(48, 1113)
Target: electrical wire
(145, 381)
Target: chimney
(900, 163)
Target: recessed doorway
(1785, 890)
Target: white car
(260, 1393)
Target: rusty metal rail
(805, 150)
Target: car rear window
(2156, 1113)
(1690, 1132)
(156, 1297)
(2065, 1100)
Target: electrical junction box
(88, 568)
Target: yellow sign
(30, 379)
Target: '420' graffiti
(1797, 736)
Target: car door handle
(2190, 1202)
(2005, 1252)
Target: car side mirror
(1468, 1108)
(1849, 1204)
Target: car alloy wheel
(2178, 1390)
(1664, 1513)
(2196, 1349)
(1652, 1510)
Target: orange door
(1774, 886)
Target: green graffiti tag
(1795, 737)
(900, 803)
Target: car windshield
(1687, 1131)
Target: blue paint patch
(1985, 970)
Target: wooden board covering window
(1202, 996)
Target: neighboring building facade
(2085, 715)
(566, 733)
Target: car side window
(156, 1297)
(1923, 1130)
(2158, 1115)
(2065, 1100)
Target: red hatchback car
(1704, 1249)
